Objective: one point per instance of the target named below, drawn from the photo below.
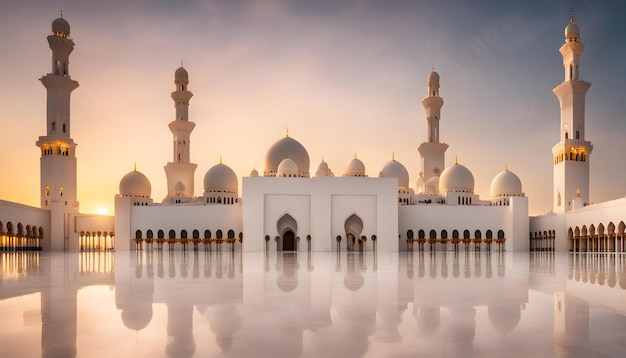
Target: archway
(353, 227)
(289, 241)
(287, 228)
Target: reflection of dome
(355, 168)
(395, 169)
(506, 183)
(135, 184)
(287, 168)
(220, 177)
(287, 148)
(432, 186)
(456, 178)
(137, 317)
(353, 282)
(60, 25)
(504, 317)
(181, 73)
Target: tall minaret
(58, 159)
(431, 151)
(571, 153)
(180, 172)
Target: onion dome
(355, 168)
(254, 173)
(323, 170)
(432, 186)
(220, 178)
(181, 74)
(506, 183)
(456, 178)
(61, 27)
(179, 187)
(287, 147)
(572, 33)
(135, 184)
(395, 169)
(287, 168)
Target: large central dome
(287, 148)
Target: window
(64, 127)
(577, 134)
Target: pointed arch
(286, 222)
(354, 225)
(592, 229)
(621, 227)
(584, 230)
(611, 228)
(601, 229)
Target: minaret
(180, 172)
(58, 160)
(571, 153)
(432, 151)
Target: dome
(432, 186)
(135, 184)
(433, 77)
(456, 178)
(323, 170)
(61, 26)
(506, 183)
(395, 169)
(287, 168)
(220, 177)
(287, 148)
(254, 173)
(571, 30)
(355, 168)
(179, 186)
(181, 73)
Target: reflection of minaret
(180, 172)
(180, 341)
(134, 293)
(432, 151)
(571, 320)
(58, 310)
(461, 329)
(58, 159)
(571, 153)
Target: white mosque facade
(290, 208)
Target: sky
(344, 76)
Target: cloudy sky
(345, 76)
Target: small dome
(254, 173)
(432, 186)
(506, 183)
(355, 168)
(456, 178)
(220, 177)
(395, 169)
(287, 168)
(287, 147)
(433, 77)
(135, 184)
(181, 73)
(323, 170)
(61, 26)
(179, 186)
(571, 30)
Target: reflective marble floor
(208, 304)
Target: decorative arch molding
(353, 225)
(286, 223)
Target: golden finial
(61, 13)
(506, 167)
(571, 15)
(456, 161)
(220, 159)
(181, 63)
(135, 167)
(433, 66)
(393, 156)
(322, 157)
(355, 153)
(287, 132)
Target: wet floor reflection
(183, 304)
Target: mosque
(289, 208)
